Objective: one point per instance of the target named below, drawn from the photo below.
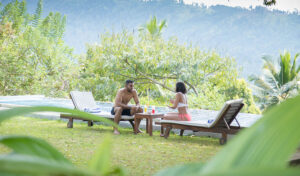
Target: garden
(35, 60)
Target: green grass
(139, 154)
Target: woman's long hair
(180, 87)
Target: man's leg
(134, 111)
(118, 115)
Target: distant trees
(33, 56)
(156, 64)
(279, 81)
(35, 60)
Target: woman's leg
(171, 116)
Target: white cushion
(83, 100)
(197, 123)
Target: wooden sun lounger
(83, 100)
(222, 123)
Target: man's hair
(180, 87)
(128, 82)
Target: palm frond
(270, 79)
(293, 69)
(259, 82)
(271, 65)
(285, 67)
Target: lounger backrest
(228, 112)
(83, 100)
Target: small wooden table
(149, 121)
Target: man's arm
(136, 98)
(118, 101)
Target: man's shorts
(124, 112)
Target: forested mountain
(243, 34)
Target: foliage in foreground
(32, 156)
(279, 81)
(262, 149)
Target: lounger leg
(90, 123)
(223, 140)
(167, 132)
(161, 130)
(70, 123)
(181, 132)
(132, 124)
(150, 126)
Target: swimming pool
(245, 119)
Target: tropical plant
(278, 82)
(153, 28)
(32, 156)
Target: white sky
(283, 5)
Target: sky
(289, 6)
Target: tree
(33, 57)
(278, 82)
(157, 64)
(269, 2)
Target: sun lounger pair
(221, 124)
(85, 101)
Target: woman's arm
(176, 101)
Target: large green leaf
(100, 163)
(269, 143)
(186, 169)
(248, 171)
(19, 164)
(6, 114)
(26, 145)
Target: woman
(180, 103)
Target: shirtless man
(121, 106)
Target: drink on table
(153, 109)
(145, 109)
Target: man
(121, 106)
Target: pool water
(197, 114)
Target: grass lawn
(139, 154)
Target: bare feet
(116, 132)
(139, 131)
(162, 135)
